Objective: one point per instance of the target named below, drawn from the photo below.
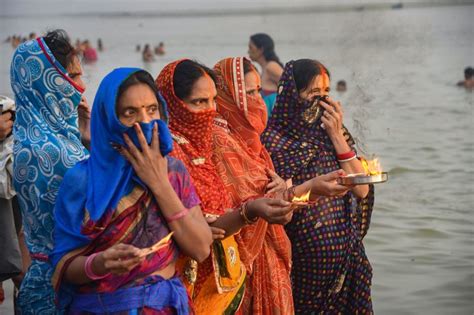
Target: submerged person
(128, 195)
(160, 49)
(217, 284)
(89, 52)
(331, 273)
(147, 54)
(46, 80)
(468, 81)
(262, 51)
(341, 86)
(247, 170)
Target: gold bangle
(243, 214)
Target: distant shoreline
(274, 10)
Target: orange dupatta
(241, 160)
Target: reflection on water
(402, 104)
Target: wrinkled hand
(326, 185)
(332, 117)
(84, 113)
(275, 211)
(217, 233)
(6, 125)
(277, 184)
(118, 259)
(151, 167)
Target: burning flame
(372, 167)
(303, 198)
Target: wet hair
(468, 73)
(341, 82)
(59, 43)
(304, 70)
(141, 77)
(186, 74)
(262, 40)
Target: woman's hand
(217, 233)
(84, 113)
(275, 211)
(277, 184)
(332, 117)
(118, 260)
(326, 185)
(150, 166)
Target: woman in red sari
(217, 285)
(246, 169)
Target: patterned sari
(47, 144)
(101, 203)
(241, 160)
(217, 284)
(331, 273)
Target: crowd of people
(148, 55)
(175, 192)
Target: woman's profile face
(319, 86)
(254, 52)
(252, 84)
(138, 103)
(203, 95)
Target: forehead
(251, 78)
(320, 81)
(204, 87)
(137, 95)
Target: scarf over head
(47, 138)
(242, 161)
(192, 131)
(93, 187)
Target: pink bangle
(345, 156)
(88, 268)
(178, 215)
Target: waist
(157, 294)
(267, 92)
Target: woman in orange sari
(247, 172)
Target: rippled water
(402, 104)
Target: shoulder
(274, 67)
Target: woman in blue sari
(127, 196)
(46, 81)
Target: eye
(152, 109)
(129, 112)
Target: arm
(191, 230)
(274, 71)
(332, 120)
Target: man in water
(468, 81)
(341, 86)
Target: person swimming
(468, 81)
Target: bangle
(88, 268)
(345, 156)
(347, 160)
(290, 193)
(243, 214)
(178, 215)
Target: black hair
(262, 40)
(468, 73)
(304, 70)
(186, 74)
(248, 66)
(141, 77)
(59, 43)
(341, 82)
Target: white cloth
(6, 156)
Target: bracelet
(243, 214)
(345, 156)
(88, 268)
(290, 193)
(178, 215)
(347, 160)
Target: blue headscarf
(47, 138)
(96, 185)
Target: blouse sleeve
(182, 183)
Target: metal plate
(363, 179)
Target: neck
(262, 61)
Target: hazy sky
(51, 7)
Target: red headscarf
(192, 131)
(241, 161)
